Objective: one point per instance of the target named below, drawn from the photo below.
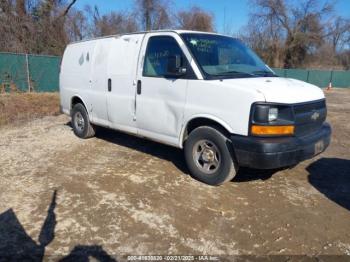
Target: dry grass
(21, 107)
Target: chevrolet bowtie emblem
(315, 116)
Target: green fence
(37, 73)
(320, 78)
(22, 72)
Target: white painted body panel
(278, 89)
(122, 70)
(160, 107)
(221, 101)
(99, 80)
(75, 75)
(165, 106)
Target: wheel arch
(76, 99)
(203, 120)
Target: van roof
(145, 32)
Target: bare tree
(153, 14)
(339, 33)
(51, 19)
(21, 8)
(345, 59)
(195, 19)
(110, 24)
(299, 25)
(77, 25)
(34, 26)
(267, 41)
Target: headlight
(273, 114)
(272, 120)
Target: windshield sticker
(193, 42)
(204, 45)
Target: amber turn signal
(272, 130)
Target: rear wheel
(81, 123)
(209, 156)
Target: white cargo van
(206, 93)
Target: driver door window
(159, 49)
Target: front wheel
(209, 157)
(81, 123)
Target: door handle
(139, 85)
(109, 85)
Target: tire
(81, 123)
(209, 156)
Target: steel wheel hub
(79, 121)
(207, 157)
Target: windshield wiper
(228, 73)
(264, 73)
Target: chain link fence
(321, 78)
(37, 73)
(29, 73)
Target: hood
(278, 89)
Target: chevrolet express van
(206, 93)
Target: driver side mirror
(174, 66)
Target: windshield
(225, 57)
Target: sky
(233, 13)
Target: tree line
(46, 26)
(285, 33)
(297, 34)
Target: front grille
(309, 117)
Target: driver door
(160, 99)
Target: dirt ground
(17, 108)
(117, 195)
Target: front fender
(213, 118)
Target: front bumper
(271, 153)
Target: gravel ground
(117, 195)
